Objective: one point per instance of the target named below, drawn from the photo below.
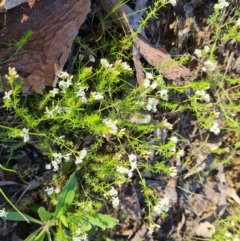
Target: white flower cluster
(126, 171)
(209, 66)
(174, 141)
(112, 126)
(51, 190)
(96, 95)
(198, 53)
(173, 171)
(58, 157)
(81, 93)
(25, 135)
(83, 154)
(152, 104)
(166, 124)
(3, 213)
(215, 128)
(147, 83)
(66, 81)
(113, 193)
(80, 236)
(50, 113)
(203, 94)
(123, 65)
(221, 4)
(54, 92)
(152, 226)
(162, 206)
(163, 94)
(12, 74)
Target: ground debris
(54, 25)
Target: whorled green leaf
(66, 196)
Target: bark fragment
(54, 24)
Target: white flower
(113, 192)
(54, 91)
(81, 156)
(215, 128)
(3, 213)
(238, 22)
(96, 95)
(173, 171)
(221, 4)
(162, 206)
(180, 153)
(57, 190)
(55, 166)
(151, 229)
(57, 157)
(49, 190)
(67, 157)
(207, 49)
(48, 166)
(174, 139)
(149, 75)
(105, 64)
(146, 83)
(198, 53)
(204, 69)
(12, 73)
(65, 84)
(25, 134)
(113, 129)
(166, 124)
(115, 202)
(121, 132)
(7, 94)
(126, 67)
(163, 94)
(91, 58)
(132, 157)
(152, 104)
(63, 75)
(228, 234)
(154, 85)
(165, 204)
(210, 66)
(203, 94)
(83, 153)
(81, 93)
(78, 161)
(49, 113)
(122, 170)
(173, 2)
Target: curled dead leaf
(205, 230)
(54, 25)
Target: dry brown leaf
(205, 230)
(8, 4)
(55, 25)
(130, 206)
